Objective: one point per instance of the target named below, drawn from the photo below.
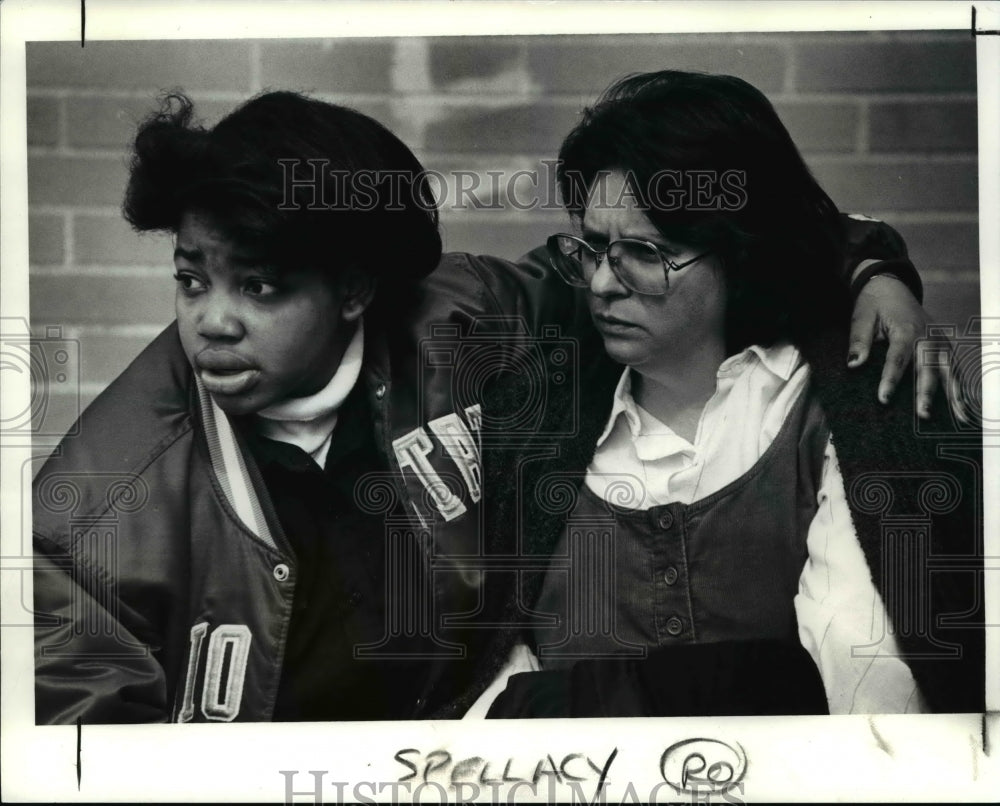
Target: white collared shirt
(755, 390)
(839, 611)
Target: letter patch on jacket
(220, 669)
(459, 443)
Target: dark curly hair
(281, 172)
(781, 249)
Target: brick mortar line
(101, 211)
(209, 96)
(929, 215)
(944, 36)
(862, 143)
(791, 68)
(140, 271)
(916, 156)
(254, 55)
(446, 98)
(69, 238)
(565, 100)
(886, 37)
(559, 97)
(872, 97)
(99, 91)
(894, 158)
(62, 124)
(790, 97)
(959, 277)
(90, 152)
(77, 270)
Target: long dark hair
(779, 237)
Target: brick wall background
(886, 121)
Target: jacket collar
(230, 467)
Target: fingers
(896, 361)
(937, 368)
(863, 323)
(933, 371)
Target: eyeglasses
(639, 265)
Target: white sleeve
(842, 619)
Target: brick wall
(886, 121)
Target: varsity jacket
(163, 584)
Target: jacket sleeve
(867, 239)
(105, 581)
(88, 667)
(529, 290)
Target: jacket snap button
(281, 572)
(666, 520)
(670, 575)
(674, 626)
(380, 391)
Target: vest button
(380, 391)
(675, 626)
(670, 575)
(666, 520)
(281, 572)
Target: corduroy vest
(724, 568)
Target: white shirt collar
(623, 404)
(781, 360)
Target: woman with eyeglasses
(724, 524)
(292, 476)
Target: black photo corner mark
(79, 748)
(976, 32)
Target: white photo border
(802, 758)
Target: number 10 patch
(225, 668)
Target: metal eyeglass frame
(552, 244)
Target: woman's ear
(358, 289)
